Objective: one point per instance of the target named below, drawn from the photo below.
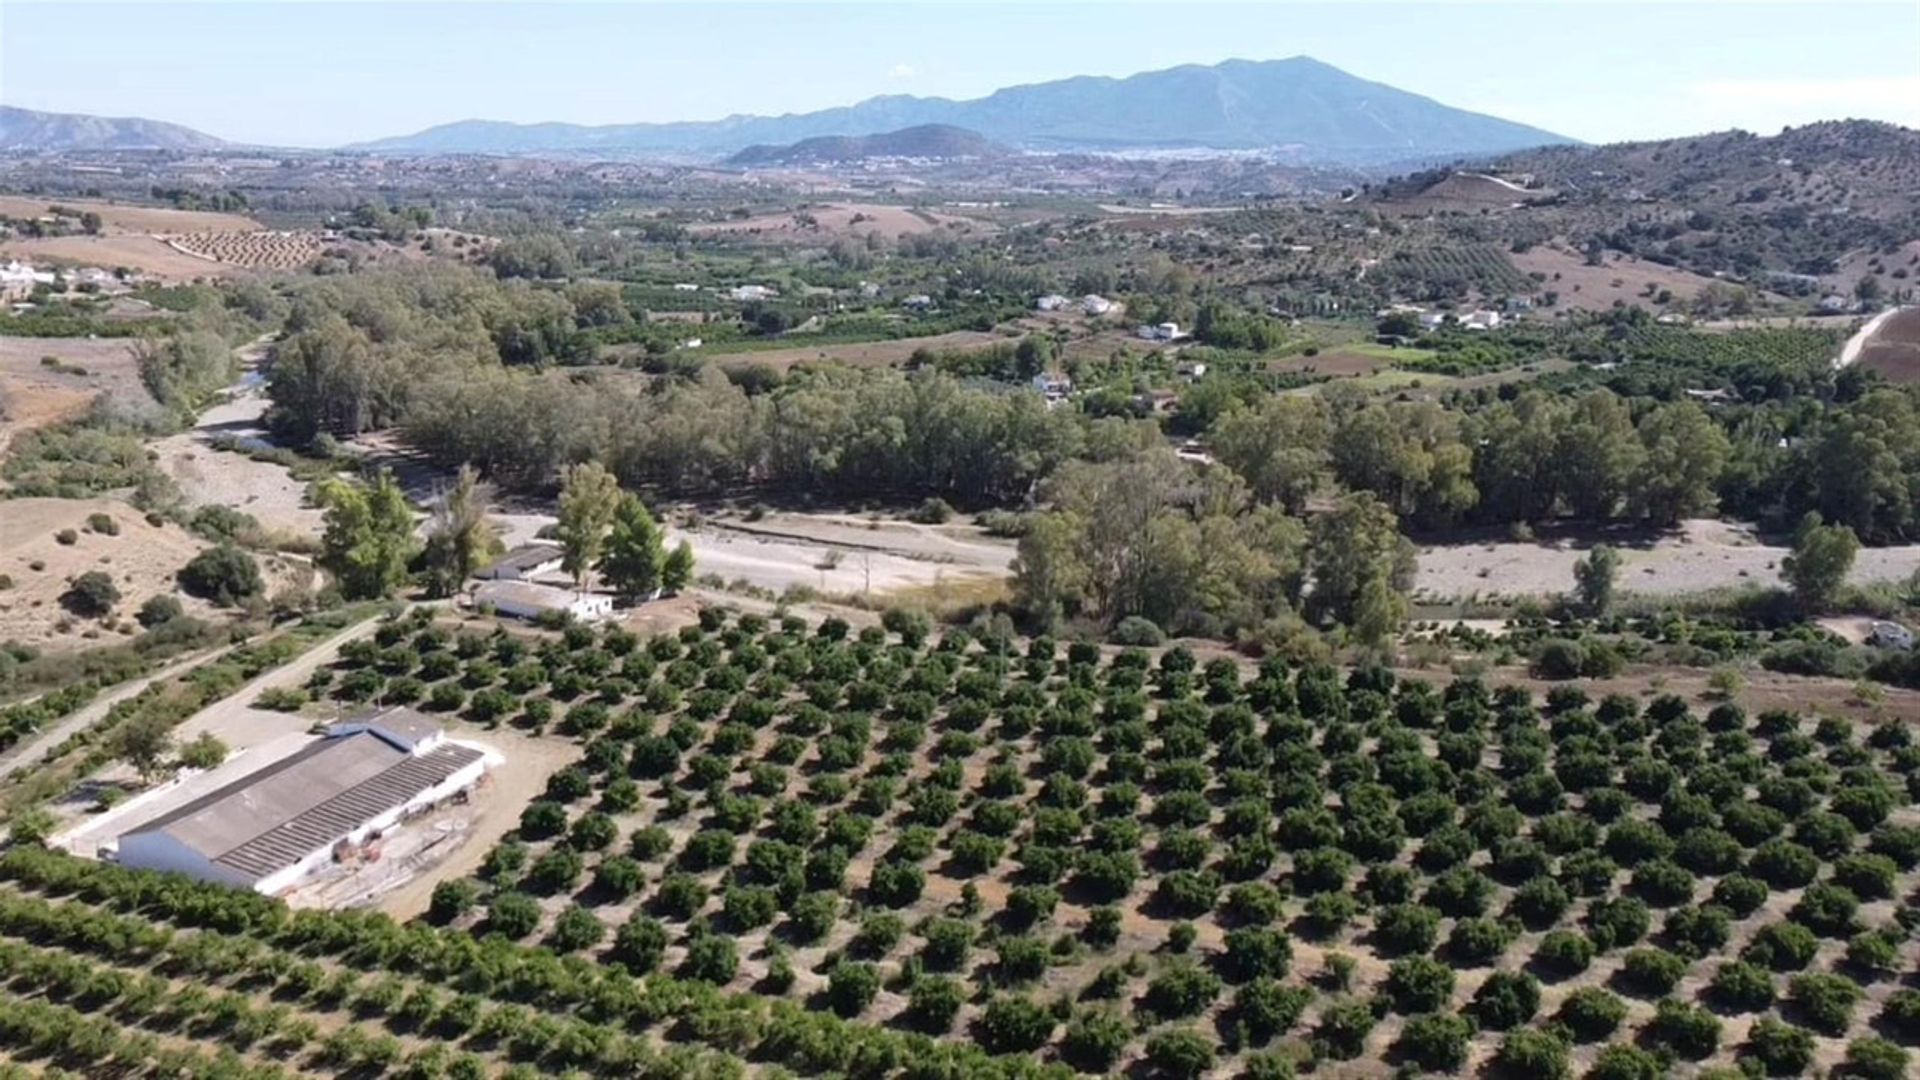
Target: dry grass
(1596, 288)
(119, 218)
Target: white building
(1481, 320)
(1051, 302)
(917, 302)
(17, 280)
(1095, 306)
(526, 600)
(274, 825)
(1190, 370)
(524, 563)
(752, 292)
(1054, 387)
(685, 286)
(1432, 320)
(1165, 331)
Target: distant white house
(692, 343)
(1672, 318)
(1095, 305)
(1053, 387)
(747, 293)
(1051, 302)
(917, 302)
(17, 280)
(1165, 331)
(1432, 320)
(1190, 370)
(526, 600)
(1835, 304)
(523, 563)
(1481, 320)
(1890, 635)
(685, 286)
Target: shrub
(1011, 1024)
(933, 511)
(1741, 987)
(91, 595)
(933, 1002)
(1686, 1030)
(1181, 990)
(514, 914)
(1592, 1013)
(1343, 1028)
(1418, 984)
(711, 958)
(1095, 1039)
(1827, 1001)
(1537, 1055)
(66, 537)
(1267, 1009)
(1872, 1058)
(1180, 1053)
(103, 524)
(1435, 1041)
(1652, 972)
(1137, 631)
(1620, 1061)
(852, 987)
(1507, 999)
(222, 575)
(1564, 953)
(159, 610)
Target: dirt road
(34, 750)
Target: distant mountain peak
(31, 130)
(1315, 110)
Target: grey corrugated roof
(525, 594)
(271, 818)
(523, 558)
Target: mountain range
(1307, 110)
(25, 129)
(1297, 109)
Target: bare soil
(119, 218)
(142, 560)
(1596, 288)
(1701, 555)
(207, 476)
(147, 254)
(1893, 349)
(35, 394)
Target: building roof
(277, 815)
(404, 727)
(525, 558)
(525, 594)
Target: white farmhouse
(274, 825)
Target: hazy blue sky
(318, 74)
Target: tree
(91, 595)
(459, 536)
(159, 610)
(1818, 566)
(1279, 448)
(1593, 579)
(1436, 1041)
(589, 497)
(634, 559)
(1686, 452)
(146, 743)
(223, 575)
(368, 540)
(1361, 568)
(677, 572)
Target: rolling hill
(928, 141)
(1307, 110)
(32, 131)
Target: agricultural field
(782, 845)
(253, 250)
(1892, 348)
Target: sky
(297, 73)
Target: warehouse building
(275, 825)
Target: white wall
(159, 851)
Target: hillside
(1813, 208)
(926, 142)
(1310, 110)
(28, 130)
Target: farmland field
(786, 846)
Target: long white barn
(270, 828)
